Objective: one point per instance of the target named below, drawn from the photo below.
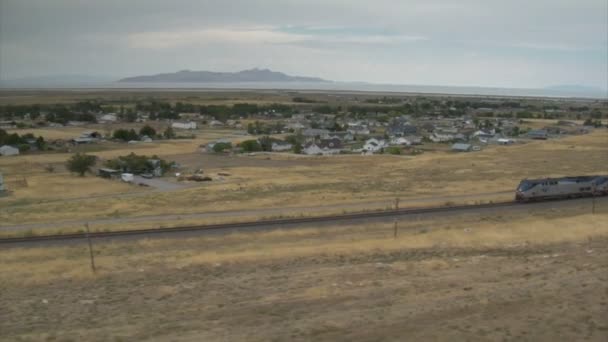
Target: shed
(108, 173)
(7, 150)
(459, 147)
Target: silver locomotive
(565, 187)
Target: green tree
(169, 133)
(221, 147)
(40, 143)
(250, 146)
(147, 130)
(125, 135)
(81, 163)
(393, 150)
(297, 148)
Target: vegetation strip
(250, 224)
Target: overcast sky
(508, 43)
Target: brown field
(289, 181)
(537, 276)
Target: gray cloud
(469, 42)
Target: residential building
(460, 147)
(281, 146)
(7, 150)
(184, 125)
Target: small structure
(281, 146)
(7, 150)
(374, 145)
(184, 125)
(539, 134)
(127, 177)
(460, 147)
(2, 188)
(108, 173)
(110, 117)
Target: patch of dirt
(517, 292)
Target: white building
(281, 147)
(184, 125)
(374, 145)
(7, 150)
(110, 117)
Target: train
(560, 188)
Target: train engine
(565, 187)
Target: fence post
(395, 229)
(86, 225)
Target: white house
(312, 149)
(281, 146)
(7, 150)
(401, 141)
(110, 117)
(374, 145)
(184, 125)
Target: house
(460, 147)
(400, 141)
(184, 125)
(281, 146)
(374, 145)
(331, 144)
(86, 137)
(214, 123)
(539, 134)
(505, 141)
(110, 117)
(315, 133)
(7, 150)
(400, 128)
(343, 136)
(414, 139)
(312, 149)
(438, 137)
(108, 173)
(145, 138)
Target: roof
(461, 147)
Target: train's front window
(525, 186)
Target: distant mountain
(55, 81)
(251, 75)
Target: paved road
(284, 211)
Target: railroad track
(252, 224)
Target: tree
(125, 135)
(251, 146)
(169, 133)
(81, 163)
(221, 147)
(297, 148)
(393, 150)
(147, 130)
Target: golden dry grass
(307, 181)
(41, 265)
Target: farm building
(7, 150)
(184, 125)
(459, 147)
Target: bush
(147, 130)
(125, 135)
(250, 146)
(221, 147)
(393, 150)
(81, 163)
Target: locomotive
(565, 187)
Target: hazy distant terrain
(251, 75)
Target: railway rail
(150, 232)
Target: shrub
(80, 163)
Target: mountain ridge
(249, 75)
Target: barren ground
(538, 277)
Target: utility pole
(395, 229)
(86, 225)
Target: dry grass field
(290, 181)
(537, 276)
